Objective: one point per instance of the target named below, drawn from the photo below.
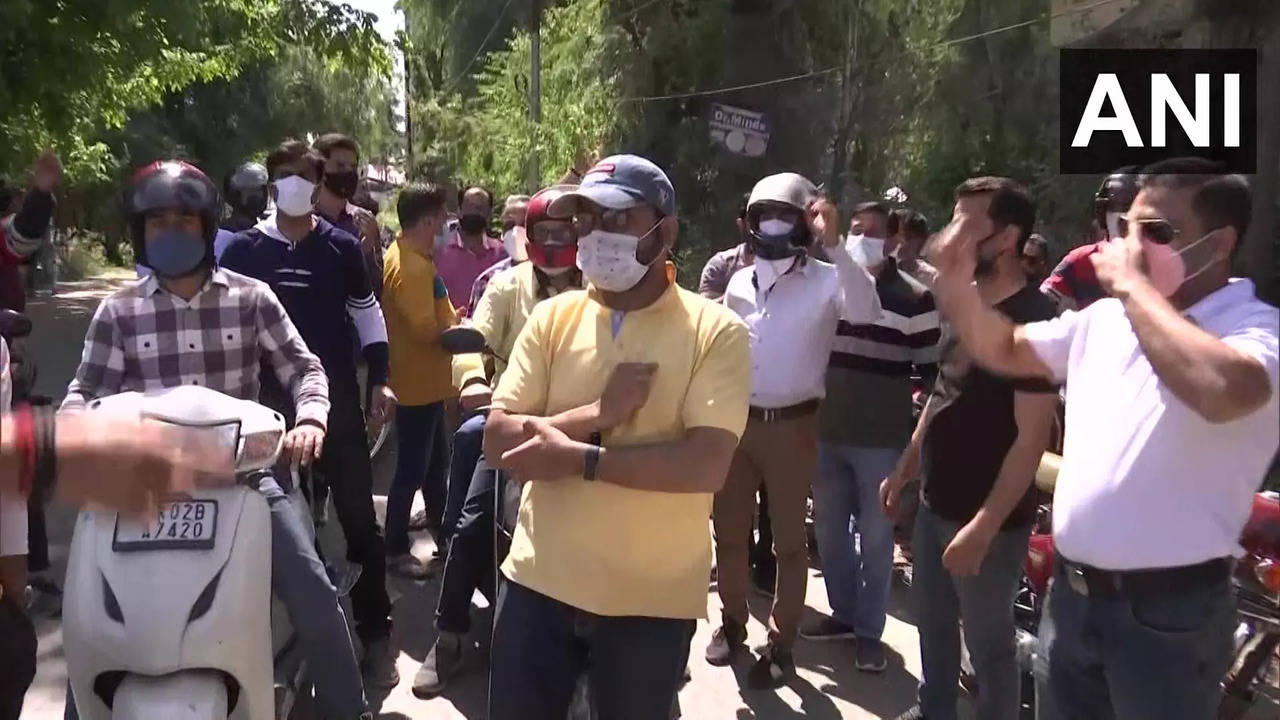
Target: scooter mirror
(462, 340)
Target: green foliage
(74, 68)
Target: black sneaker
(379, 665)
(869, 656)
(915, 713)
(772, 670)
(727, 641)
(440, 666)
(826, 628)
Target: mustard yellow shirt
(417, 310)
(500, 316)
(601, 547)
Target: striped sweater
(868, 401)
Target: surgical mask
(295, 196)
(866, 250)
(1113, 224)
(513, 243)
(608, 260)
(1167, 268)
(342, 184)
(776, 228)
(174, 253)
(555, 271)
(472, 224)
(446, 234)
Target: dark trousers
(344, 467)
(471, 562)
(422, 459)
(1160, 655)
(17, 656)
(541, 646)
(764, 566)
(468, 440)
(37, 535)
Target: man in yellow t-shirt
(619, 410)
(417, 309)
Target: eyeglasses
(1154, 230)
(585, 221)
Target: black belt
(1130, 584)
(769, 415)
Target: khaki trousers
(781, 457)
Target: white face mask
(294, 196)
(776, 228)
(866, 250)
(553, 272)
(608, 260)
(513, 243)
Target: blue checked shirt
(144, 338)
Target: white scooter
(171, 617)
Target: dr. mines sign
(1135, 107)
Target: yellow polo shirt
(417, 310)
(601, 547)
(500, 316)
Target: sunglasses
(585, 221)
(1154, 230)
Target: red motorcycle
(1253, 672)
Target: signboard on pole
(740, 131)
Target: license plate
(179, 525)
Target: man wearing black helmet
(1073, 283)
(793, 304)
(245, 192)
(193, 323)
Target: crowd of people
(651, 429)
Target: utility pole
(408, 96)
(535, 88)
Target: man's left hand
(546, 454)
(824, 221)
(967, 549)
(303, 445)
(382, 404)
(1118, 265)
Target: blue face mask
(174, 253)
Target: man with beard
(977, 446)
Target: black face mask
(342, 184)
(472, 224)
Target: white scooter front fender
(180, 696)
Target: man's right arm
(715, 277)
(101, 370)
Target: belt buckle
(1076, 579)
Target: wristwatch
(591, 463)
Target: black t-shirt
(972, 425)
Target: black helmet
(1115, 194)
(245, 190)
(166, 184)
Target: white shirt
(1146, 482)
(13, 509)
(793, 323)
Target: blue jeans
(468, 441)
(471, 563)
(299, 579)
(846, 500)
(985, 603)
(1158, 656)
(422, 461)
(541, 646)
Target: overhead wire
(837, 68)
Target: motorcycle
(1257, 585)
(171, 616)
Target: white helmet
(791, 194)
